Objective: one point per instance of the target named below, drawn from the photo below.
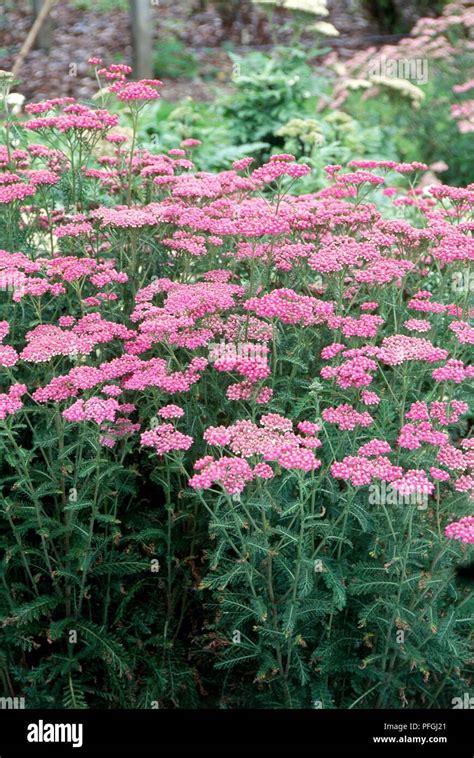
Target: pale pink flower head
(242, 164)
(275, 421)
(307, 427)
(263, 470)
(171, 411)
(10, 401)
(4, 329)
(144, 90)
(462, 530)
(375, 447)
(417, 325)
(439, 474)
(346, 417)
(164, 438)
(369, 398)
(218, 435)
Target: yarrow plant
(202, 377)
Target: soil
(77, 34)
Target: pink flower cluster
(290, 307)
(171, 411)
(231, 473)
(398, 349)
(346, 417)
(462, 530)
(8, 355)
(95, 409)
(354, 372)
(164, 438)
(48, 341)
(360, 470)
(453, 371)
(412, 436)
(278, 166)
(74, 117)
(442, 412)
(274, 440)
(414, 481)
(145, 89)
(10, 402)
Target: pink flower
(171, 411)
(264, 396)
(454, 371)
(418, 412)
(453, 458)
(375, 447)
(463, 331)
(346, 417)
(164, 438)
(462, 530)
(369, 398)
(414, 481)
(417, 325)
(73, 230)
(95, 409)
(10, 401)
(332, 350)
(464, 483)
(307, 427)
(274, 440)
(360, 470)
(11, 192)
(242, 164)
(141, 90)
(8, 356)
(217, 435)
(275, 421)
(398, 349)
(263, 471)
(439, 474)
(231, 473)
(4, 329)
(359, 177)
(277, 167)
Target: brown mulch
(78, 34)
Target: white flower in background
(339, 68)
(357, 84)
(324, 27)
(402, 86)
(316, 7)
(15, 101)
(309, 131)
(439, 166)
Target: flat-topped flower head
(462, 530)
